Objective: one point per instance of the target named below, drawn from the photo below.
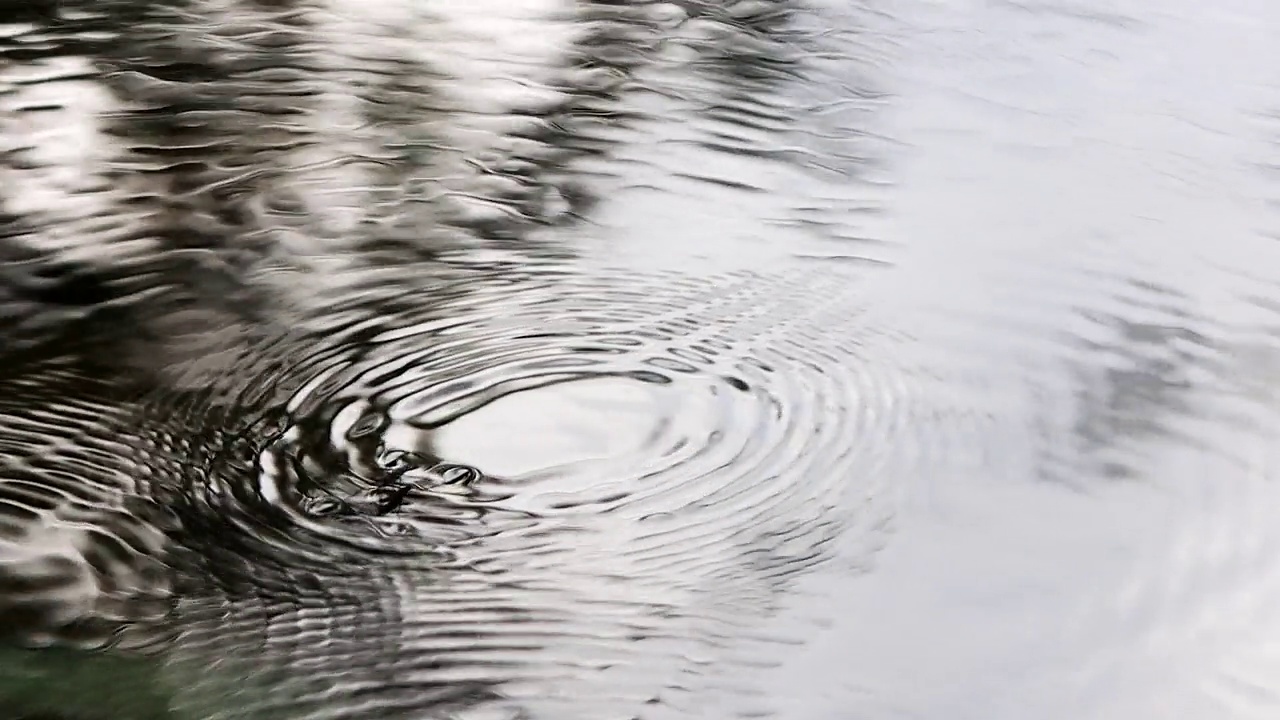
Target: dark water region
(807, 360)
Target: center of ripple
(538, 431)
(600, 442)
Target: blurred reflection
(1137, 371)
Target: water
(761, 359)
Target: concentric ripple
(580, 496)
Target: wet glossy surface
(812, 360)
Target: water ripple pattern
(416, 435)
(752, 422)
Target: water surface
(764, 359)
